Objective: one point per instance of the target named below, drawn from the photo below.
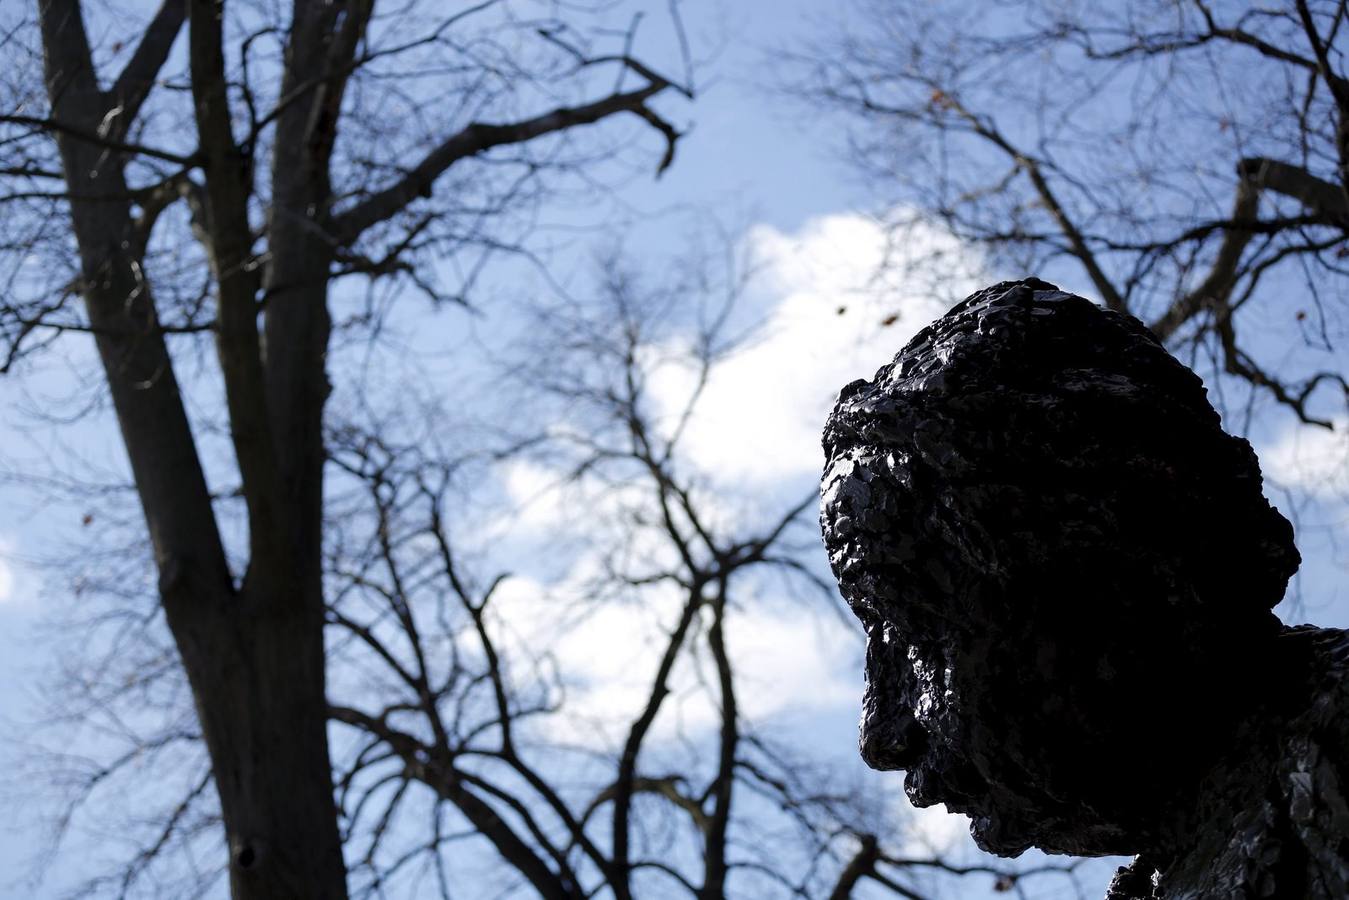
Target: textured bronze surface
(1065, 569)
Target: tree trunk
(262, 707)
(254, 655)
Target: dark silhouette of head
(1065, 568)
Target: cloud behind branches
(835, 315)
(828, 313)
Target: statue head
(1064, 566)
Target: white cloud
(757, 426)
(759, 418)
(789, 658)
(608, 655)
(7, 593)
(535, 492)
(1313, 460)
(933, 831)
(761, 414)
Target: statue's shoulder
(1277, 824)
(1307, 814)
(1320, 730)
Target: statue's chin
(993, 831)
(1006, 836)
(992, 835)
(1008, 823)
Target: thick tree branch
(156, 198)
(1155, 45)
(1321, 197)
(667, 787)
(478, 138)
(297, 323)
(422, 765)
(627, 764)
(714, 857)
(1237, 362)
(159, 442)
(1034, 169)
(134, 83)
(1339, 87)
(228, 187)
(69, 64)
(341, 56)
(862, 864)
(91, 135)
(1217, 287)
(566, 876)
(1339, 90)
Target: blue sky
(769, 172)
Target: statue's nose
(891, 742)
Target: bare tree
(464, 732)
(1188, 161)
(221, 193)
(466, 757)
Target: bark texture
(253, 654)
(252, 641)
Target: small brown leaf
(87, 519)
(1302, 315)
(1004, 883)
(889, 320)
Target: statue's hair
(1025, 406)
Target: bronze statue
(1065, 569)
